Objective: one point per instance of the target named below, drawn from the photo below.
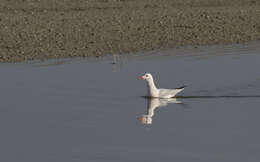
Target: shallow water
(88, 110)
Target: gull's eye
(146, 75)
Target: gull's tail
(182, 87)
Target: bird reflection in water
(152, 104)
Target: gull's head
(146, 76)
(145, 119)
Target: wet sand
(59, 29)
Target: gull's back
(168, 93)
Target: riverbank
(60, 29)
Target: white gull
(159, 93)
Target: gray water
(88, 110)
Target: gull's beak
(140, 118)
(140, 78)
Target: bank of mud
(59, 29)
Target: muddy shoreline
(60, 29)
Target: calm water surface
(88, 110)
